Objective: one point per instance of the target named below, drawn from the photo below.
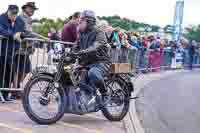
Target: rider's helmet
(90, 17)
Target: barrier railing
(145, 60)
(19, 59)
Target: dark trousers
(95, 79)
(6, 77)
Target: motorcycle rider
(93, 51)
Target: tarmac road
(171, 104)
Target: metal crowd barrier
(18, 60)
(147, 60)
(142, 59)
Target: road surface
(171, 104)
(14, 120)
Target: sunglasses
(12, 14)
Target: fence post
(1, 95)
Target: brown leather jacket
(94, 49)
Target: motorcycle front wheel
(118, 106)
(44, 101)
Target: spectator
(136, 42)
(167, 54)
(185, 51)
(144, 43)
(124, 48)
(174, 49)
(22, 56)
(197, 54)
(143, 53)
(104, 26)
(129, 38)
(154, 54)
(116, 45)
(191, 52)
(132, 51)
(54, 35)
(12, 27)
(28, 11)
(115, 40)
(69, 33)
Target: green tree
(193, 33)
(44, 25)
(127, 24)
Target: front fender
(42, 74)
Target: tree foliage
(193, 33)
(127, 24)
(44, 25)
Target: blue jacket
(115, 38)
(136, 44)
(8, 31)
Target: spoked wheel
(44, 101)
(118, 106)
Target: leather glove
(73, 55)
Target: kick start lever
(134, 98)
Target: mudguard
(127, 80)
(42, 73)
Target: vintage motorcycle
(47, 97)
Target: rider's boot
(105, 94)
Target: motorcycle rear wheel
(123, 92)
(61, 98)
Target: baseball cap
(13, 9)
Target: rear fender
(127, 80)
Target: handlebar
(69, 57)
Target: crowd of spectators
(141, 51)
(150, 51)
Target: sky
(157, 12)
